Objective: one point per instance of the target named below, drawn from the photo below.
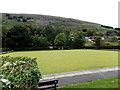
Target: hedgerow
(19, 72)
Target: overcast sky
(99, 11)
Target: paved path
(69, 78)
(86, 78)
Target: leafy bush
(113, 39)
(5, 49)
(19, 72)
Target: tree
(71, 39)
(78, 41)
(4, 31)
(7, 15)
(110, 33)
(100, 33)
(18, 36)
(90, 33)
(113, 39)
(40, 41)
(67, 33)
(49, 32)
(84, 30)
(37, 30)
(99, 42)
(60, 40)
(24, 20)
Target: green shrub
(19, 72)
(5, 49)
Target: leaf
(6, 81)
(3, 77)
(7, 64)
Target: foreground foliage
(19, 72)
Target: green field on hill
(58, 61)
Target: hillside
(43, 19)
(10, 20)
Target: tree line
(27, 36)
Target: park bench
(48, 85)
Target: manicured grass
(59, 61)
(103, 83)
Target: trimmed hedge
(64, 47)
(19, 72)
(30, 48)
(5, 49)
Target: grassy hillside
(45, 19)
(10, 20)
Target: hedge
(19, 72)
(64, 47)
(28, 48)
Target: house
(89, 39)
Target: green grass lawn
(58, 61)
(103, 83)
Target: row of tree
(43, 36)
(28, 36)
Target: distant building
(89, 39)
(50, 47)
